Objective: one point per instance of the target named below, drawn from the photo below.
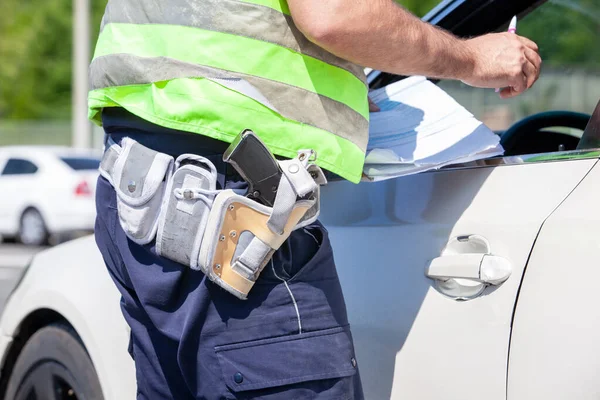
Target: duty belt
(228, 235)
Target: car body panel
(71, 280)
(9, 277)
(554, 347)
(411, 340)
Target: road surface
(15, 255)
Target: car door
(414, 339)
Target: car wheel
(54, 365)
(32, 229)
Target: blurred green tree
(35, 49)
(567, 32)
(418, 7)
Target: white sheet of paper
(420, 127)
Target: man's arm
(382, 35)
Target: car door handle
(484, 268)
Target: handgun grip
(255, 163)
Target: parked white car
(477, 281)
(46, 191)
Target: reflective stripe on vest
(316, 99)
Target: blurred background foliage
(567, 32)
(36, 48)
(419, 7)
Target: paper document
(420, 127)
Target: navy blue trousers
(192, 340)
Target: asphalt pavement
(14, 255)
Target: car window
(18, 166)
(81, 163)
(568, 33)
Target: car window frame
(17, 157)
(61, 158)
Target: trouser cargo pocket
(312, 365)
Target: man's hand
(503, 60)
(372, 106)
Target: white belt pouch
(228, 236)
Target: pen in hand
(512, 28)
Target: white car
(477, 281)
(46, 191)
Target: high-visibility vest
(217, 67)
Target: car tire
(32, 228)
(54, 364)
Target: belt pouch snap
(140, 176)
(186, 207)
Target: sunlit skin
(382, 35)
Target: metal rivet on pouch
(293, 168)
(188, 194)
(302, 157)
(238, 378)
(131, 186)
(222, 237)
(218, 266)
(231, 207)
(233, 234)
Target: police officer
(162, 74)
